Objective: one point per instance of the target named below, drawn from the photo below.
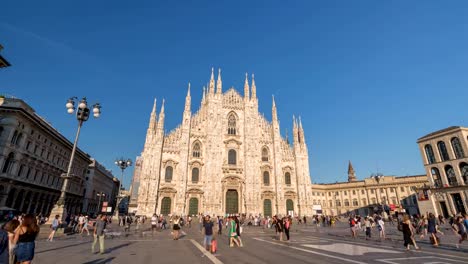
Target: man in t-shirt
(154, 222)
(101, 223)
(208, 227)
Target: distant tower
(351, 173)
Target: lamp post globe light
(101, 195)
(122, 164)
(82, 115)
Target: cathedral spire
(153, 121)
(161, 115)
(219, 83)
(254, 88)
(246, 87)
(188, 100)
(351, 173)
(287, 136)
(204, 94)
(212, 82)
(274, 114)
(301, 132)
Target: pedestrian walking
(238, 231)
(287, 226)
(208, 232)
(10, 228)
(176, 228)
(154, 223)
(408, 232)
(279, 228)
(368, 226)
(25, 237)
(232, 233)
(352, 226)
(462, 227)
(85, 225)
(99, 234)
(381, 227)
(220, 225)
(54, 226)
(432, 230)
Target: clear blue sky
(367, 77)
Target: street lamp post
(100, 195)
(379, 177)
(82, 115)
(122, 164)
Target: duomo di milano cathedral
(224, 159)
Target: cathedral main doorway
(193, 206)
(232, 202)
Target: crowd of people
(17, 239)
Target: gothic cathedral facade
(224, 159)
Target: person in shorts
(154, 223)
(208, 227)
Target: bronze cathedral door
(232, 202)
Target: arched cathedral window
(168, 174)
(196, 150)
(287, 178)
(232, 157)
(265, 155)
(195, 175)
(232, 124)
(266, 178)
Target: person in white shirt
(381, 227)
(154, 223)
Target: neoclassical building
(225, 158)
(445, 157)
(33, 158)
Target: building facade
(33, 157)
(444, 154)
(364, 197)
(224, 159)
(100, 187)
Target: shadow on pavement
(109, 250)
(52, 249)
(100, 261)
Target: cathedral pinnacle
(219, 83)
(254, 87)
(188, 99)
(161, 114)
(212, 82)
(153, 121)
(274, 114)
(246, 87)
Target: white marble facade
(225, 158)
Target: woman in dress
(25, 237)
(408, 232)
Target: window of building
(338, 203)
(364, 202)
(331, 203)
(452, 179)
(20, 171)
(232, 124)
(15, 136)
(436, 177)
(464, 172)
(363, 192)
(287, 178)
(345, 193)
(346, 203)
(372, 191)
(354, 192)
(195, 175)
(355, 203)
(18, 139)
(265, 154)
(168, 174)
(266, 178)
(337, 193)
(196, 150)
(402, 188)
(392, 190)
(457, 148)
(429, 154)
(28, 173)
(8, 162)
(374, 201)
(443, 151)
(232, 157)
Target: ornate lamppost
(122, 164)
(100, 195)
(82, 115)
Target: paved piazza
(308, 245)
